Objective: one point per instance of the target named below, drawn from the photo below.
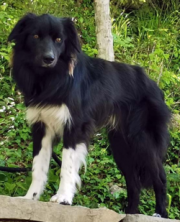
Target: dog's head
(46, 39)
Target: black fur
(98, 91)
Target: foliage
(148, 37)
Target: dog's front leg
(73, 157)
(42, 151)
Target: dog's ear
(72, 43)
(72, 35)
(20, 26)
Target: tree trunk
(103, 30)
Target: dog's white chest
(54, 117)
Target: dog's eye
(36, 36)
(58, 40)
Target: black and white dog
(70, 95)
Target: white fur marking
(54, 117)
(156, 215)
(40, 168)
(72, 160)
(112, 122)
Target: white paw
(156, 215)
(61, 199)
(54, 198)
(29, 197)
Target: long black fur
(98, 93)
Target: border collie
(70, 95)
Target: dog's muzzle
(48, 59)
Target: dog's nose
(48, 58)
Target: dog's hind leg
(159, 185)
(124, 160)
(133, 192)
(42, 151)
